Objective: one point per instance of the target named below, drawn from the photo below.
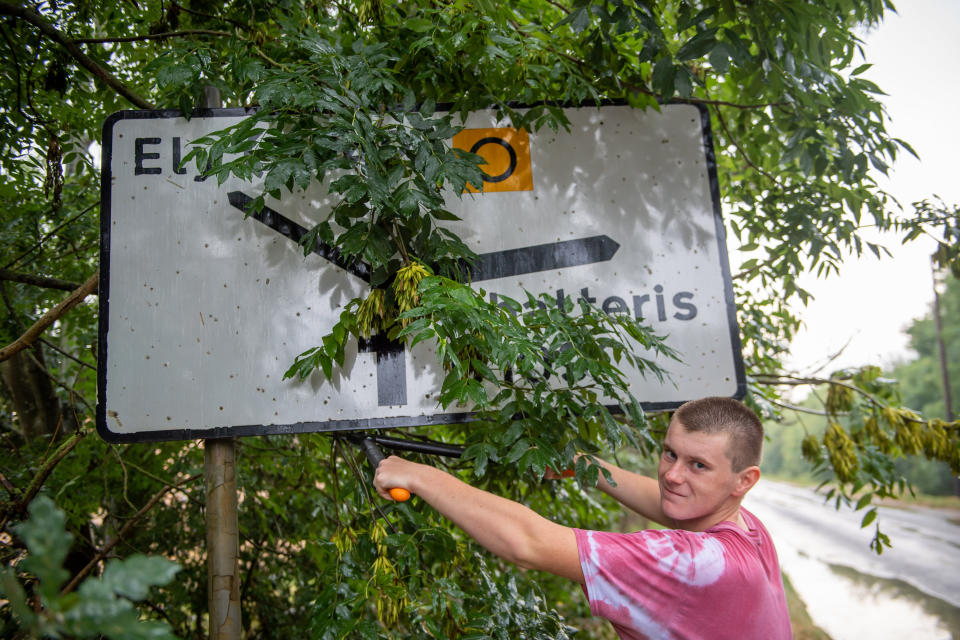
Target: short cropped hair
(726, 415)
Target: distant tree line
(921, 387)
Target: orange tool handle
(374, 455)
(400, 495)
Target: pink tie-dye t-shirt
(723, 583)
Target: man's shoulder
(754, 523)
(753, 542)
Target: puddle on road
(887, 589)
(849, 605)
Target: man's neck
(729, 513)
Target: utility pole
(942, 351)
(941, 347)
(223, 535)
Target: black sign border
(106, 178)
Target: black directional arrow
(391, 365)
(487, 266)
(543, 257)
(287, 227)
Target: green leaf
(420, 25)
(519, 448)
(579, 19)
(12, 590)
(48, 544)
(97, 604)
(428, 107)
(698, 18)
(132, 577)
(185, 102)
(720, 57)
(443, 214)
(698, 46)
(663, 75)
(123, 624)
(480, 453)
(535, 460)
(683, 81)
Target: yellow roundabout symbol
(507, 154)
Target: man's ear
(745, 480)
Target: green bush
(101, 606)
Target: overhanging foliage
(352, 88)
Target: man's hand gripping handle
(375, 456)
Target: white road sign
(202, 310)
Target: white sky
(871, 302)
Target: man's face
(696, 478)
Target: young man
(713, 574)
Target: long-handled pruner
(374, 455)
(369, 444)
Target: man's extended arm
(636, 492)
(505, 528)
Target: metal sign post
(223, 539)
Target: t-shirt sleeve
(643, 580)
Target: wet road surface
(911, 591)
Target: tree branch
(559, 6)
(642, 89)
(120, 534)
(169, 485)
(11, 490)
(38, 281)
(793, 407)
(153, 36)
(47, 235)
(48, 30)
(743, 154)
(200, 14)
(20, 505)
(704, 101)
(774, 379)
(796, 381)
(51, 316)
(68, 355)
(63, 385)
(16, 71)
(757, 267)
(248, 579)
